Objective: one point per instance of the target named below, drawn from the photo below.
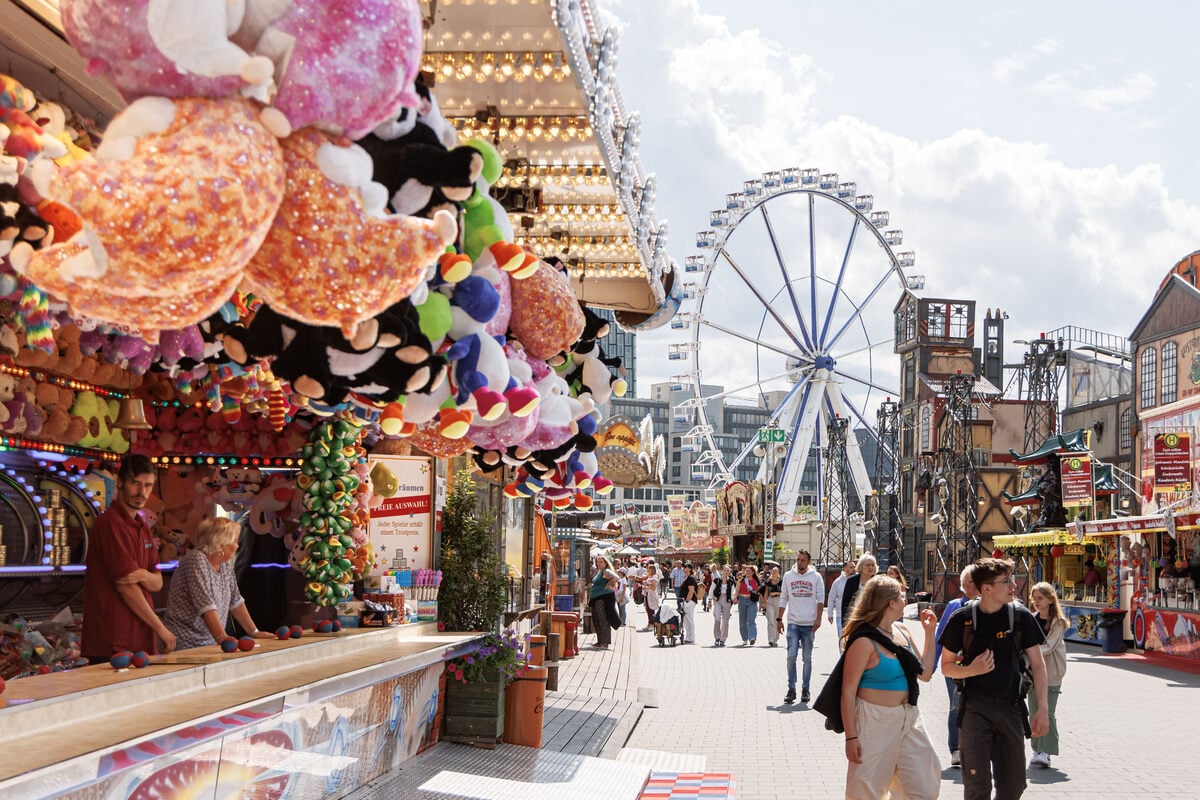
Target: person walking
(677, 577)
(887, 748)
(867, 567)
(747, 595)
(803, 601)
(833, 609)
(622, 593)
(650, 584)
(895, 574)
(969, 593)
(602, 598)
(992, 713)
(1054, 625)
(769, 600)
(687, 603)
(706, 587)
(724, 586)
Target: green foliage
(505, 654)
(721, 555)
(473, 592)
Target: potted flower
(475, 688)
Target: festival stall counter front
(313, 717)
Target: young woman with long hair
(886, 744)
(1054, 652)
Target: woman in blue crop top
(886, 744)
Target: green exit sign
(772, 435)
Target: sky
(1040, 158)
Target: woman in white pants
(650, 590)
(722, 597)
(687, 602)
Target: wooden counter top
(46, 720)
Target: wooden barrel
(537, 649)
(524, 706)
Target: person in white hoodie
(802, 602)
(833, 609)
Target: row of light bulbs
(565, 212)
(558, 174)
(498, 66)
(530, 129)
(607, 269)
(612, 246)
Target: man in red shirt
(122, 571)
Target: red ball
(997, 553)
(283, 632)
(296, 631)
(1056, 551)
(121, 660)
(140, 659)
(43, 669)
(323, 626)
(246, 644)
(229, 644)
(337, 626)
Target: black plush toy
(414, 160)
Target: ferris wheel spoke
(858, 307)
(746, 337)
(854, 459)
(868, 348)
(837, 287)
(804, 346)
(787, 279)
(857, 379)
(812, 260)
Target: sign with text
(1172, 462)
(401, 527)
(1076, 472)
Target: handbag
(638, 596)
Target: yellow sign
(619, 435)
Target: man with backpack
(991, 647)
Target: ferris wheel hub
(825, 362)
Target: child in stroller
(666, 624)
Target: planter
(475, 710)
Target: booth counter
(313, 717)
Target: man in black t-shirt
(992, 718)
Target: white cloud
(1005, 67)
(1129, 94)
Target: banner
(401, 528)
(1076, 471)
(1172, 462)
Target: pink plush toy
(164, 48)
(546, 317)
(198, 179)
(333, 257)
(346, 66)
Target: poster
(1172, 462)
(1076, 480)
(401, 527)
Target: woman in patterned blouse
(204, 590)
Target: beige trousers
(898, 760)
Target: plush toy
(93, 410)
(546, 317)
(164, 48)
(214, 162)
(24, 138)
(416, 159)
(345, 66)
(485, 222)
(332, 256)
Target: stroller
(666, 624)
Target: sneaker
(956, 759)
(804, 696)
(1040, 760)
(790, 697)
(773, 644)
(752, 641)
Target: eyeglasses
(1006, 581)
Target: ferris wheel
(791, 310)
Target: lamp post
(772, 445)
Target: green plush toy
(485, 221)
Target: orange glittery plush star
(333, 257)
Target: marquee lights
(497, 66)
(529, 129)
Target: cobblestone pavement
(1128, 729)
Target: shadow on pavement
(1046, 775)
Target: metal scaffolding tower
(837, 535)
(1043, 371)
(884, 536)
(956, 488)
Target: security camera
(936, 519)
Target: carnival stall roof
(1102, 481)
(629, 453)
(537, 79)
(1073, 442)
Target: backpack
(1012, 633)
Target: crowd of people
(1003, 663)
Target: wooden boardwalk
(596, 705)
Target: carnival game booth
(1157, 560)
(255, 275)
